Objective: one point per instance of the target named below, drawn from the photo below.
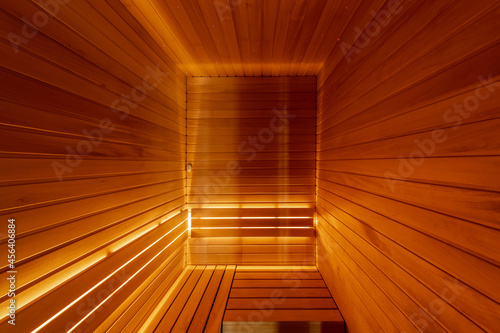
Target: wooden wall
(251, 145)
(408, 157)
(92, 164)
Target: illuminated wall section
(251, 143)
(408, 182)
(92, 166)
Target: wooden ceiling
(245, 37)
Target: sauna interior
(250, 166)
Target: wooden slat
(186, 316)
(218, 309)
(222, 241)
(284, 292)
(278, 295)
(249, 222)
(200, 318)
(306, 258)
(286, 303)
(181, 299)
(281, 268)
(278, 284)
(258, 232)
(144, 304)
(251, 248)
(288, 326)
(276, 275)
(390, 251)
(286, 315)
(262, 212)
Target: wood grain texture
(93, 116)
(407, 198)
(244, 38)
(359, 136)
(203, 298)
(277, 295)
(251, 142)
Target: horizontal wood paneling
(249, 154)
(407, 197)
(93, 116)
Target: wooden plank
(454, 269)
(104, 271)
(285, 303)
(451, 201)
(185, 318)
(281, 268)
(74, 231)
(263, 96)
(219, 241)
(251, 85)
(252, 248)
(174, 311)
(268, 114)
(468, 237)
(282, 197)
(286, 315)
(216, 315)
(204, 308)
(158, 313)
(242, 212)
(282, 232)
(283, 292)
(466, 172)
(243, 190)
(283, 258)
(249, 222)
(54, 191)
(276, 275)
(278, 283)
(289, 326)
(144, 303)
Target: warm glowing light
(129, 239)
(254, 205)
(124, 283)
(205, 228)
(55, 280)
(252, 217)
(189, 223)
(102, 281)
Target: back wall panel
(251, 143)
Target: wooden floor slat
(279, 292)
(288, 303)
(285, 315)
(295, 283)
(280, 300)
(276, 275)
